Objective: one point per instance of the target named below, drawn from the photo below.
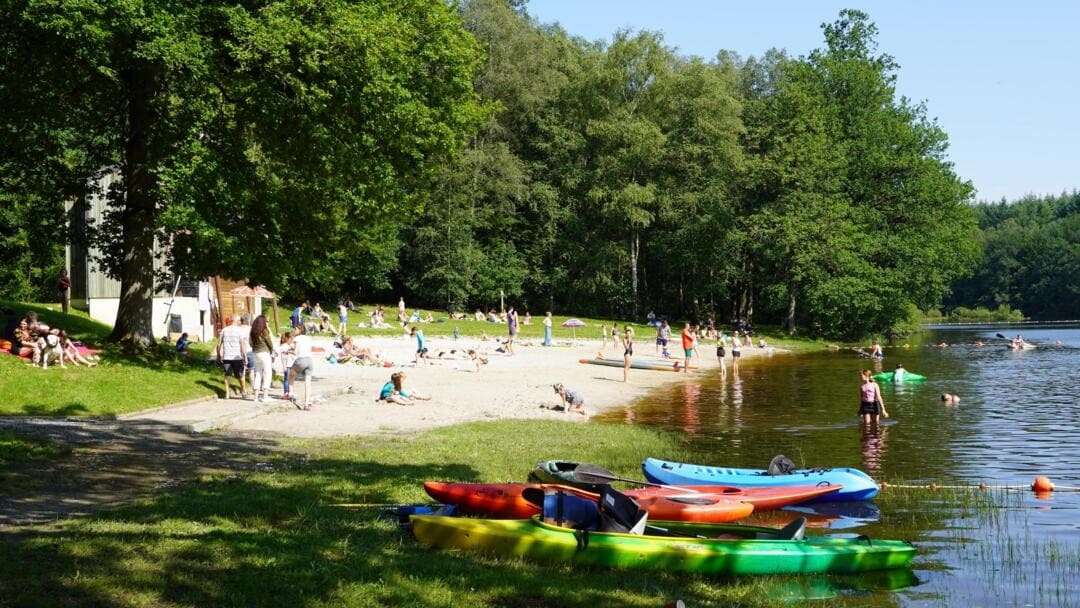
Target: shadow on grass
(254, 541)
(217, 388)
(263, 531)
(113, 462)
(274, 539)
(37, 409)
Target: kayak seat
(796, 530)
(620, 513)
(570, 511)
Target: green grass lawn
(275, 538)
(470, 327)
(117, 385)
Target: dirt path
(113, 462)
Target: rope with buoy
(1042, 484)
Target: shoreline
(508, 387)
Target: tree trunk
(748, 286)
(134, 317)
(789, 321)
(635, 247)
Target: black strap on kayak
(582, 538)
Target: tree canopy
(267, 140)
(1032, 258)
(462, 152)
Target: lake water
(1019, 417)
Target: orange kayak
(506, 500)
(716, 505)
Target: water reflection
(1017, 419)
(873, 447)
(691, 415)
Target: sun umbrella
(258, 291)
(573, 324)
(251, 292)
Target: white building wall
(104, 310)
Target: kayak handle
(866, 538)
(824, 483)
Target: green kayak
(560, 472)
(891, 377)
(744, 553)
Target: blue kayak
(856, 484)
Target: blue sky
(1002, 78)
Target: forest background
(334, 151)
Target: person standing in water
(736, 353)
(628, 351)
(687, 345)
(720, 353)
(871, 405)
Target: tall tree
(256, 140)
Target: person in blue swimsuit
(420, 350)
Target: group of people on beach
(248, 350)
(33, 339)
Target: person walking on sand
(287, 351)
(871, 406)
(614, 336)
(628, 351)
(687, 346)
(547, 329)
(511, 329)
(420, 350)
(262, 345)
(232, 349)
(663, 334)
(401, 310)
(603, 336)
(302, 366)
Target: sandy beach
(516, 387)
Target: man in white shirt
(232, 350)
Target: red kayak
(763, 499)
(718, 504)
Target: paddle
(591, 473)
(1003, 337)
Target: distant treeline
(1031, 258)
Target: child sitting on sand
(394, 391)
(572, 401)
